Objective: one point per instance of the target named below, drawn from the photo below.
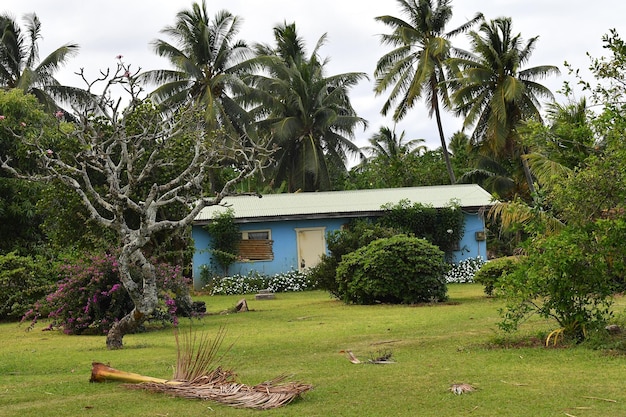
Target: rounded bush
(397, 270)
(490, 273)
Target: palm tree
(415, 68)
(308, 114)
(495, 94)
(208, 63)
(388, 145)
(21, 68)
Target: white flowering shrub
(464, 271)
(255, 281)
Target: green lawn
(302, 334)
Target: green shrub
(564, 277)
(489, 274)
(23, 281)
(355, 235)
(400, 269)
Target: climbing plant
(225, 237)
(443, 227)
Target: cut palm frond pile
(462, 388)
(196, 376)
(383, 357)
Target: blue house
(283, 232)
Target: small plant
(464, 271)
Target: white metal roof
(338, 203)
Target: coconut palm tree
(307, 113)
(415, 68)
(388, 145)
(494, 93)
(207, 61)
(20, 66)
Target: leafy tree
(570, 272)
(495, 94)
(148, 189)
(20, 218)
(416, 67)
(412, 170)
(23, 281)
(21, 68)
(307, 113)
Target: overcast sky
(567, 30)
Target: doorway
(311, 246)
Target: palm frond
(197, 376)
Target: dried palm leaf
(462, 388)
(269, 394)
(197, 376)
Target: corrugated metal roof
(352, 202)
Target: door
(311, 246)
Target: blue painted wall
(285, 245)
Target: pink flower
(2, 117)
(49, 152)
(58, 114)
(119, 56)
(22, 124)
(127, 74)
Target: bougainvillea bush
(89, 298)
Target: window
(256, 245)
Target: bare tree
(138, 172)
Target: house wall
(285, 245)
(469, 247)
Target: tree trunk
(444, 147)
(144, 294)
(128, 324)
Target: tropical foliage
(307, 112)
(495, 93)
(416, 67)
(207, 58)
(570, 273)
(21, 68)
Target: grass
(47, 373)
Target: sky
(568, 30)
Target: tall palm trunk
(444, 147)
